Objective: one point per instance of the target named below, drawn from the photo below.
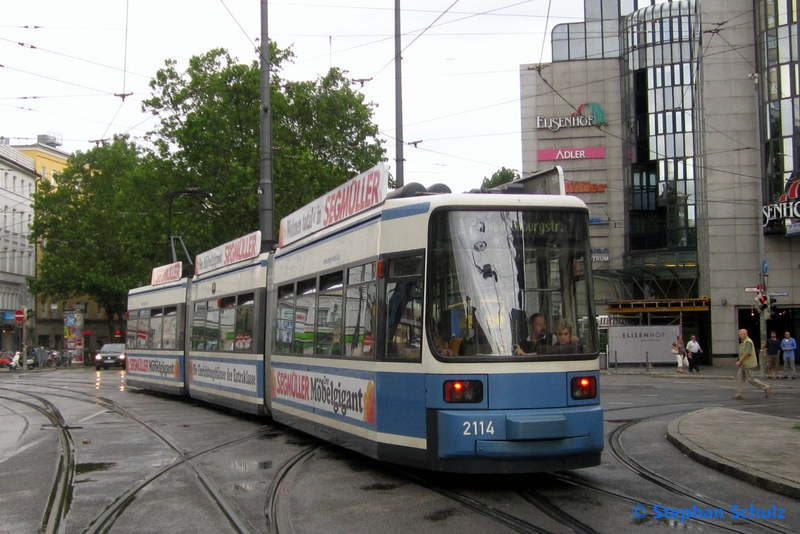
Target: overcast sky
(460, 67)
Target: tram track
(59, 501)
(277, 507)
(620, 454)
(499, 517)
(293, 474)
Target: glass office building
(697, 155)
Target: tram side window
(198, 326)
(285, 327)
(155, 331)
(130, 336)
(329, 315)
(227, 324)
(404, 308)
(360, 311)
(212, 325)
(304, 317)
(171, 336)
(245, 321)
(143, 329)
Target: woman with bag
(679, 351)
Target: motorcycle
(64, 359)
(52, 359)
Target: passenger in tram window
(537, 325)
(567, 341)
(447, 342)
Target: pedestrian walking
(773, 355)
(788, 346)
(679, 351)
(693, 352)
(746, 363)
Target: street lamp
(171, 196)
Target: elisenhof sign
(578, 119)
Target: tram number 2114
(478, 428)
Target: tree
(106, 221)
(500, 177)
(208, 137)
(91, 234)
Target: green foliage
(499, 178)
(105, 223)
(322, 136)
(89, 229)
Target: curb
(709, 459)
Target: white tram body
(155, 333)
(225, 335)
(398, 328)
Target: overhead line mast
(265, 189)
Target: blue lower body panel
(520, 434)
(159, 372)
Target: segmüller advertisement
(640, 344)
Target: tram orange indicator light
(463, 391)
(583, 387)
(379, 268)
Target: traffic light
(772, 309)
(762, 302)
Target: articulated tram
(388, 323)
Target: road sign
(19, 315)
(752, 289)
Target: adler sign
(560, 154)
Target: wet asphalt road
(82, 453)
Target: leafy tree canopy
(104, 224)
(499, 178)
(93, 240)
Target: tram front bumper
(519, 434)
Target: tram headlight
(583, 387)
(464, 391)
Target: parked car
(110, 355)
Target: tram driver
(540, 338)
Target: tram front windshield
(511, 284)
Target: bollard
(646, 361)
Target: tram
(154, 340)
(389, 323)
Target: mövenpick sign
(363, 192)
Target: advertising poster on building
(640, 344)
